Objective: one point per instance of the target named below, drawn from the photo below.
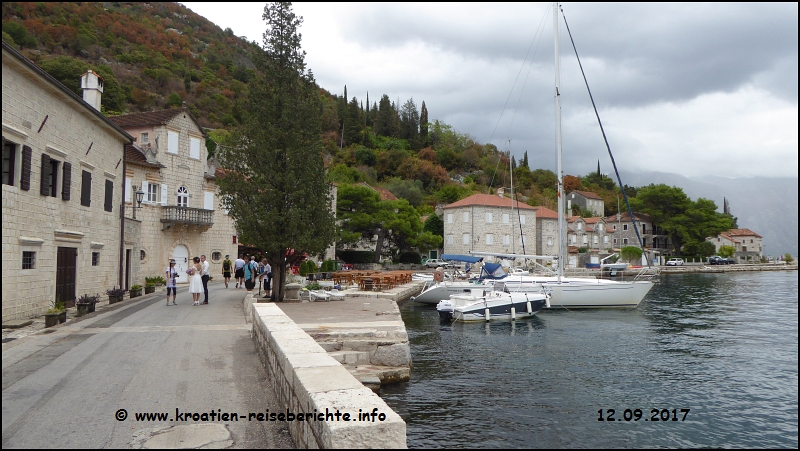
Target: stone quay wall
(307, 380)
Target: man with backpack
(250, 274)
(227, 265)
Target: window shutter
(86, 189)
(208, 200)
(172, 142)
(109, 204)
(127, 189)
(194, 148)
(25, 179)
(163, 194)
(66, 181)
(146, 193)
(45, 175)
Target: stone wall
(477, 228)
(307, 380)
(38, 114)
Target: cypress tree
(423, 125)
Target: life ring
(438, 276)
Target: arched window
(183, 197)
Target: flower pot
(51, 319)
(62, 317)
(149, 289)
(114, 299)
(84, 309)
(136, 293)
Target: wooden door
(66, 272)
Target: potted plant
(136, 291)
(86, 303)
(115, 295)
(150, 284)
(53, 315)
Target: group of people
(247, 273)
(198, 282)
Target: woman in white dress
(196, 282)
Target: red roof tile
(488, 200)
(587, 194)
(544, 212)
(159, 117)
(743, 232)
(133, 154)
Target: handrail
(186, 215)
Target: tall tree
(409, 124)
(275, 186)
(423, 125)
(525, 160)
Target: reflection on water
(722, 345)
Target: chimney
(500, 191)
(92, 85)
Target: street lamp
(139, 197)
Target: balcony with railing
(173, 216)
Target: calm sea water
(722, 345)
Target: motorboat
(495, 304)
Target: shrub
(313, 286)
(788, 257)
(88, 299)
(631, 253)
(583, 250)
(115, 292)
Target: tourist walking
(196, 282)
(204, 265)
(250, 273)
(227, 266)
(172, 281)
(238, 266)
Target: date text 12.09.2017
(638, 415)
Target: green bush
(328, 266)
(631, 253)
(583, 250)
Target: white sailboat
(564, 292)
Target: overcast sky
(693, 89)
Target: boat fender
(486, 313)
(438, 276)
(530, 310)
(513, 313)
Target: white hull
(571, 293)
(493, 306)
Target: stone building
(587, 201)
(488, 223)
(63, 172)
(546, 231)
(655, 241)
(747, 243)
(591, 233)
(180, 215)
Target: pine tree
(423, 125)
(275, 186)
(409, 124)
(525, 160)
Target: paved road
(63, 389)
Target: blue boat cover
(492, 271)
(461, 258)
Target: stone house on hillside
(488, 223)
(656, 242)
(63, 174)
(179, 216)
(591, 233)
(747, 243)
(586, 200)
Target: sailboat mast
(561, 241)
(511, 171)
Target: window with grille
(216, 256)
(183, 197)
(95, 258)
(28, 260)
(142, 254)
(152, 193)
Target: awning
(462, 258)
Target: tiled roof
(627, 217)
(588, 194)
(743, 232)
(544, 212)
(385, 193)
(488, 200)
(159, 117)
(133, 154)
